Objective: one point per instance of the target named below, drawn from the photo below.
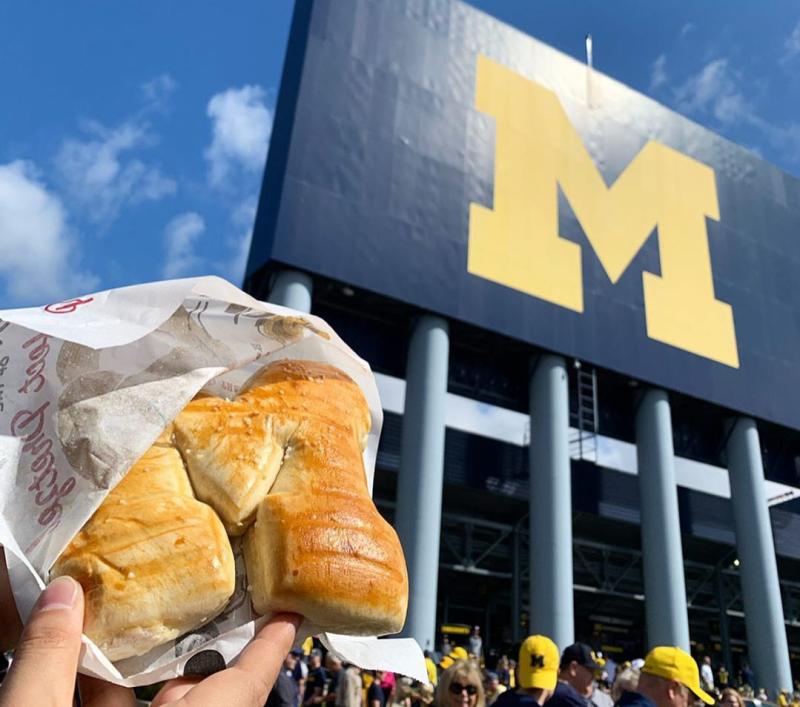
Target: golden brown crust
(287, 453)
(319, 547)
(232, 456)
(153, 561)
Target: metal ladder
(584, 421)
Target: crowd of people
(576, 677)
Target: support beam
(419, 483)
(758, 571)
(292, 289)
(551, 599)
(516, 590)
(724, 624)
(662, 554)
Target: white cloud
(181, 236)
(791, 47)
(714, 91)
(38, 262)
(241, 126)
(687, 28)
(658, 72)
(101, 170)
(156, 91)
(98, 174)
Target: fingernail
(289, 618)
(59, 594)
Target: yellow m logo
(517, 243)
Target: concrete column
(550, 570)
(662, 554)
(292, 289)
(758, 571)
(419, 483)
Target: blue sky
(133, 134)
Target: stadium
(582, 312)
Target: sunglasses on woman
(457, 688)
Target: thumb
(46, 657)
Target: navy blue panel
(378, 151)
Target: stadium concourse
(587, 432)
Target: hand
(46, 659)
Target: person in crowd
(503, 670)
(748, 676)
(762, 694)
(403, 692)
(494, 688)
(333, 667)
(627, 680)
(423, 697)
(375, 695)
(447, 646)
(388, 683)
(460, 685)
(455, 655)
(669, 678)
(746, 692)
(284, 691)
(576, 687)
(537, 674)
(476, 642)
(348, 687)
(300, 674)
(430, 667)
(707, 674)
(731, 698)
(315, 682)
(723, 677)
(611, 670)
(599, 695)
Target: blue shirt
(634, 699)
(566, 696)
(515, 698)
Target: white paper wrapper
(86, 386)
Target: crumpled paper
(87, 385)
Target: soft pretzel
(318, 546)
(153, 561)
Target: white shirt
(707, 675)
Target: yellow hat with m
(538, 663)
(672, 663)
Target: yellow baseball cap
(672, 663)
(538, 663)
(458, 653)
